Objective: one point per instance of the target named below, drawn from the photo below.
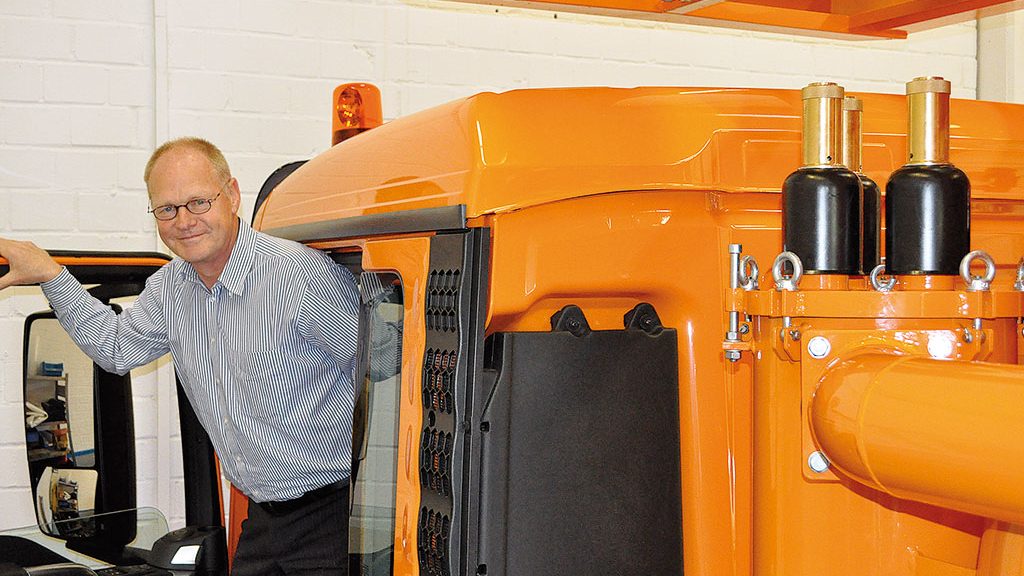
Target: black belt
(281, 507)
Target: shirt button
(238, 458)
(226, 419)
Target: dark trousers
(310, 540)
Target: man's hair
(204, 147)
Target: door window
(375, 426)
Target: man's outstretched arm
(117, 342)
(29, 264)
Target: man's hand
(29, 264)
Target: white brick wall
(86, 89)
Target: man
(263, 336)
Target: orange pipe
(942, 432)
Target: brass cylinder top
(928, 121)
(822, 124)
(852, 141)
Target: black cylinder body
(821, 219)
(927, 219)
(872, 218)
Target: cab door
(421, 331)
(80, 430)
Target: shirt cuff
(63, 291)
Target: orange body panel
(605, 198)
(238, 511)
(846, 18)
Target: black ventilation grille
(436, 461)
(438, 374)
(434, 531)
(443, 300)
(454, 311)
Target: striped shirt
(266, 356)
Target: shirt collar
(238, 264)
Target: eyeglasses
(195, 206)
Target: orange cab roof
(493, 153)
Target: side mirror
(79, 433)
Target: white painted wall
(1001, 58)
(87, 89)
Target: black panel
(202, 485)
(580, 458)
(454, 334)
(115, 462)
(440, 219)
(24, 552)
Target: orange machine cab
(595, 376)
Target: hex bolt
(967, 335)
(744, 328)
(818, 462)
(732, 355)
(795, 335)
(819, 347)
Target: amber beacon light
(356, 109)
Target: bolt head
(941, 345)
(732, 355)
(818, 462)
(819, 347)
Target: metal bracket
(643, 316)
(570, 319)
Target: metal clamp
(787, 283)
(1019, 284)
(748, 279)
(978, 283)
(876, 279)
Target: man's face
(205, 240)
